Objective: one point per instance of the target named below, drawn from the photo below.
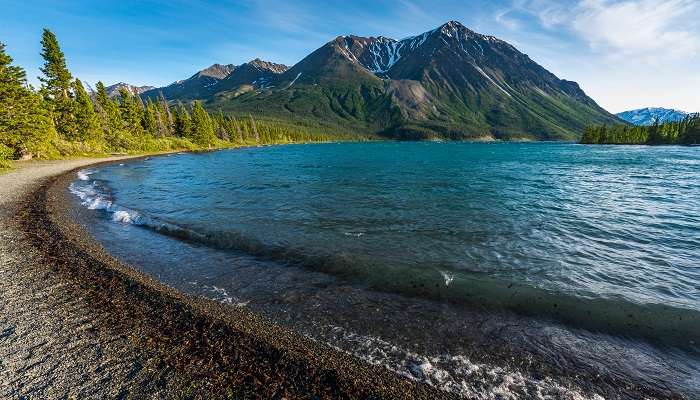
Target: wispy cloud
(649, 30)
(503, 17)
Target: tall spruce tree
(86, 118)
(57, 85)
(256, 135)
(183, 123)
(150, 121)
(202, 129)
(57, 79)
(111, 121)
(166, 114)
(26, 128)
(130, 113)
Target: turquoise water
(595, 239)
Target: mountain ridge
(449, 82)
(647, 115)
(113, 90)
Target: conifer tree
(202, 130)
(57, 85)
(183, 123)
(221, 127)
(86, 119)
(130, 113)
(166, 114)
(150, 123)
(57, 79)
(239, 133)
(26, 128)
(110, 118)
(101, 97)
(255, 129)
(161, 129)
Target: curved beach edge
(143, 338)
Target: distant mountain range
(219, 78)
(113, 90)
(647, 116)
(449, 82)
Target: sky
(625, 54)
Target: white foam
(448, 277)
(224, 297)
(456, 373)
(123, 217)
(83, 175)
(91, 198)
(354, 234)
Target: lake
(482, 268)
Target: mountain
(218, 78)
(647, 116)
(113, 90)
(197, 86)
(256, 73)
(449, 82)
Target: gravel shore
(76, 323)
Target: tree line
(684, 132)
(63, 118)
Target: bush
(6, 154)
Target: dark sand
(76, 323)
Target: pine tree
(167, 115)
(202, 130)
(57, 79)
(57, 84)
(161, 126)
(110, 118)
(655, 136)
(221, 127)
(255, 129)
(26, 128)
(183, 123)
(150, 123)
(239, 133)
(130, 113)
(101, 96)
(86, 118)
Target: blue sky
(624, 53)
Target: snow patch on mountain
(648, 115)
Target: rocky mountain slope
(449, 82)
(218, 78)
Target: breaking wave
(456, 373)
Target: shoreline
(196, 347)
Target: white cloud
(503, 18)
(646, 28)
(624, 53)
(649, 30)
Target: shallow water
(482, 268)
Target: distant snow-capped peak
(648, 115)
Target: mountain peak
(452, 25)
(647, 115)
(113, 90)
(455, 29)
(267, 66)
(217, 71)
